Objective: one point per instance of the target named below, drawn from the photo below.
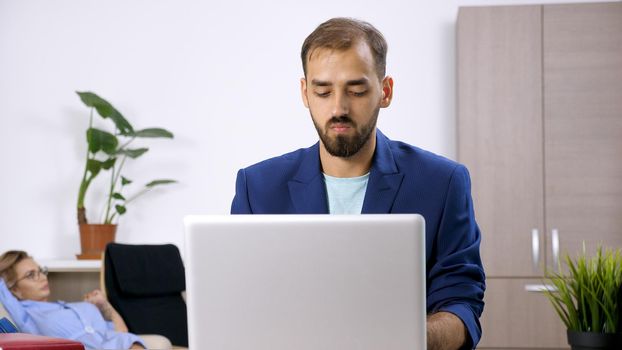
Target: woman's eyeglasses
(32, 275)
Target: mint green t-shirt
(345, 194)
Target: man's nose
(340, 105)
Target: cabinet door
(515, 318)
(500, 130)
(583, 123)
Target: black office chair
(144, 284)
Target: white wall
(222, 75)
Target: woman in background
(24, 292)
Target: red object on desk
(23, 341)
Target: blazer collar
(307, 189)
(384, 179)
(308, 192)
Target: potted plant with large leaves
(588, 300)
(108, 152)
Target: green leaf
(120, 209)
(557, 305)
(106, 110)
(133, 153)
(125, 181)
(100, 140)
(93, 166)
(160, 182)
(109, 163)
(586, 299)
(118, 196)
(91, 99)
(153, 132)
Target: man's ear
(387, 92)
(303, 92)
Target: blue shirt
(79, 321)
(345, 194)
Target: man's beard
(346, 146)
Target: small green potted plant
(109, 151)
(588, 299)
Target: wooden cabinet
(500, 130)
(583, 124)
(519, 318)
(540, 129)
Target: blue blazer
(402, 179)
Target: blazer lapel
(307, 189)
(384, 179)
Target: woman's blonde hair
(8, 261)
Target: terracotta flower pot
(594, 341)
(94, 238)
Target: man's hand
(445, 331)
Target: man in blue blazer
(354, 169)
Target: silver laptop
(295, 282)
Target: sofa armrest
(155, 341)
(23, 341)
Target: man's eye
(359, 93)
(322, 94)
(30, 275)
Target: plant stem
(114, 179)
(109, 196)
(84, 184)
(143, 191)
(127, 143)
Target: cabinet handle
(555, 248)
(535, 248)
(539, 288)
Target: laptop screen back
(306, 281)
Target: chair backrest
(144, 284)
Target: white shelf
(72, 265)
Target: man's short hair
(340, 34)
